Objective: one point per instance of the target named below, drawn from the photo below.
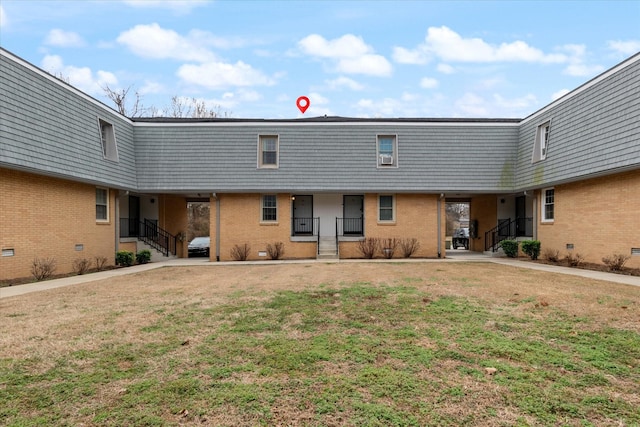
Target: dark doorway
(302, 215)
(352, 212)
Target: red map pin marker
(303, 103)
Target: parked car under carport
(199, 246)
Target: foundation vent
(635, 251)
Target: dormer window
(541, 145)
(108, 140)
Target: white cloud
(583, 70)
(515, 105)
(350, 54)
(406, 56)
(317, 99)
(61, 38)
(151, 88)
(3, 17)
(220, 75)
(152, 41)
(81, 77)
(346, 82)
(428, 83)
(178, 6)
(386, 107)
(447, 45)
(472, 105)
(559, 94)
(445, 69)
(625, 47)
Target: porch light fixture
(293, 197)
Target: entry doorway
(353, 215)
(302, 215)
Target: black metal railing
(306, 227)
(148, 231)
(505, 230)
(349, 226)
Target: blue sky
(253, 59)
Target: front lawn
(357, 344)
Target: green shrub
(531, 248)
(124, 258)
(510, 248)
(143, 256)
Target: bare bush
(275, 251)
(240, 253)
(368, 247)
(43, 268)
(574, 260)
(101, 261)
(615, 262)
(552, 255)
(409, 246)
(389, 247)
(81, 265)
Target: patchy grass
(404, 345)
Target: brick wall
(172, 217)
(598, 216)
(47, 217)
(483, 209)
(240, 223)
(416, 216)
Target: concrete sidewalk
(457, 257)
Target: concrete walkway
(453, 256)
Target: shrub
(409, 246)
(81, 265)
(388, 247)
(574, 260)
(43, 268)
(615, 262)
(101, 261)
(143, 256)
(240, 253)
(531, 248)
(552, 255)
(510, 248)
(275, 251)
(124, 258)
(368, 247)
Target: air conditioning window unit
(386, 159)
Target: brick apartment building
(78, 180)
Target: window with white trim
(387, 150)
(268, 151)
(541, 145)
(269, 208)
(548, 205)
(386, 208)
(102, 204)
(108, 140)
